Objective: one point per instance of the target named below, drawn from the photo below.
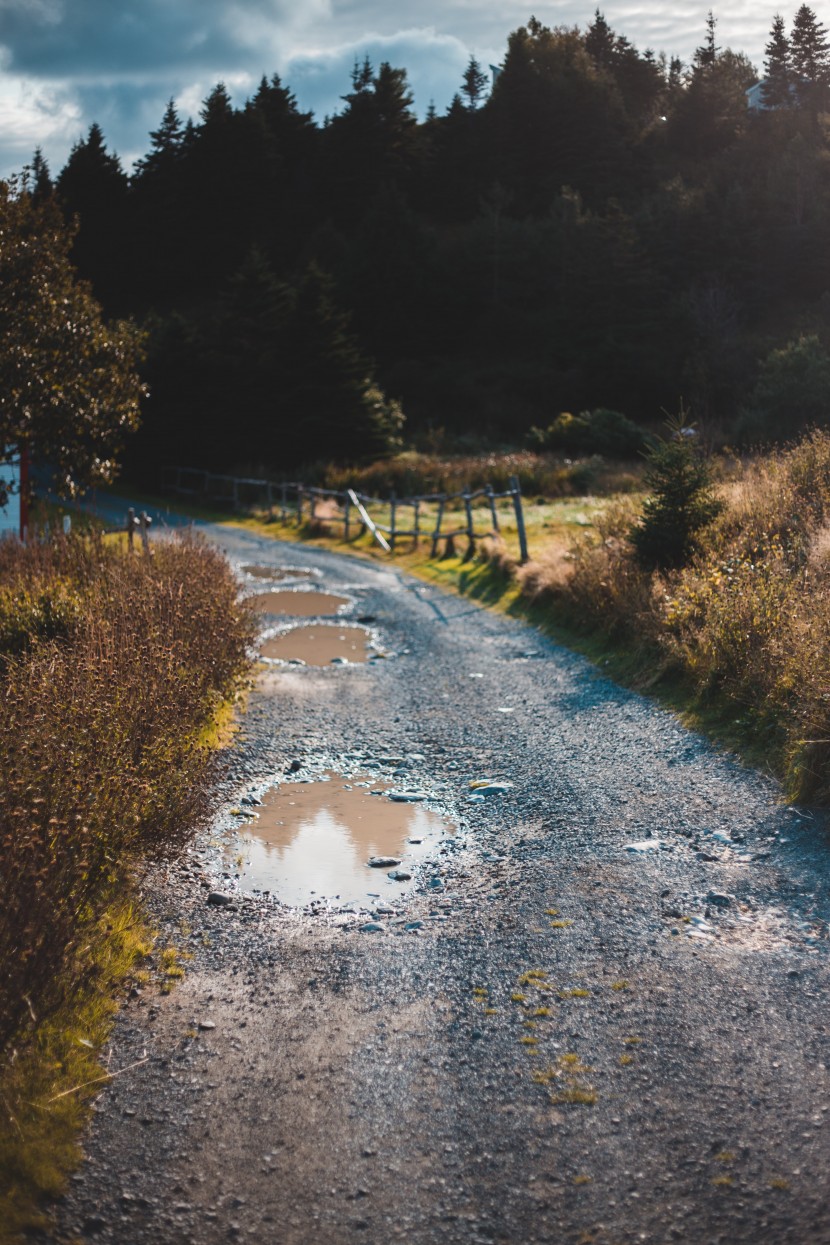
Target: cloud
(76, 38)
(434, 63)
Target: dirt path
(665, 1080)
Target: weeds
(105, 698)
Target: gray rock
(382, 862)
(371, 927)
(400, 875)
(218, 900)
(407, 797)
(720, 899)
(206, 1024)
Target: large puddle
(319, 646)
(298, 604)
(277, 572)
(313, 841)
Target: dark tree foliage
(602, 229)
(778, 72)
(69, 388)
(474, 84)
(92, 188)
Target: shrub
(600, 431)
(100, 729)
(682, 502)
(792, 391)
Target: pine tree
(600, 41)
(166, 145)
(474, 84)
(38, 178)
(706, 55)
(332, 409)
(810, 58)
(92, 186)
(777, 88)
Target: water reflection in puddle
(277, 572)
(319, 646)
(312, 841)
(298, 604)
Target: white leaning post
(361, 510)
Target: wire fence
(437, 517)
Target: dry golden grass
(100, 736)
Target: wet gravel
(596, 1015)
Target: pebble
(400, 875)
(382, 862)
(206, 1024)
(407, 797)
(646, 845)
(494, 788)
(720, 899)
(371, 927)
(218, 900)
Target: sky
(67, 63)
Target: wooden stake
(520, 519)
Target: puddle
(277, 572)
(312, 841)
(298, 604)
(319, 646)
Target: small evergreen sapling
(681, 502)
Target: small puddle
(277, 572)
(319, 646)
(312, 841)
(298, 604)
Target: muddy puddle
(277, 572)
(298, 604)
(312, 841)
(320, 646)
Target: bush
(791, 393)
(592, 432)
(100, 733)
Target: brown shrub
(100, 735)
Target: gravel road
(660, 1075)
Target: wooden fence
(450, 515)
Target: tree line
(592, 226)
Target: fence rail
(298, 502)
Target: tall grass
(413, 474)
(748, 619)
(100, 724)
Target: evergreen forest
(586, 227)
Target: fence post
(494, 514)
(144, 531)
(130, 528)
(269, 499)
(471, 539)
(299, 505)
(347, 508)
(515, 489)
(436, 535)
(312, 506)
(416, 526)
(235, 492)
(393, 506)
(283, 502)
